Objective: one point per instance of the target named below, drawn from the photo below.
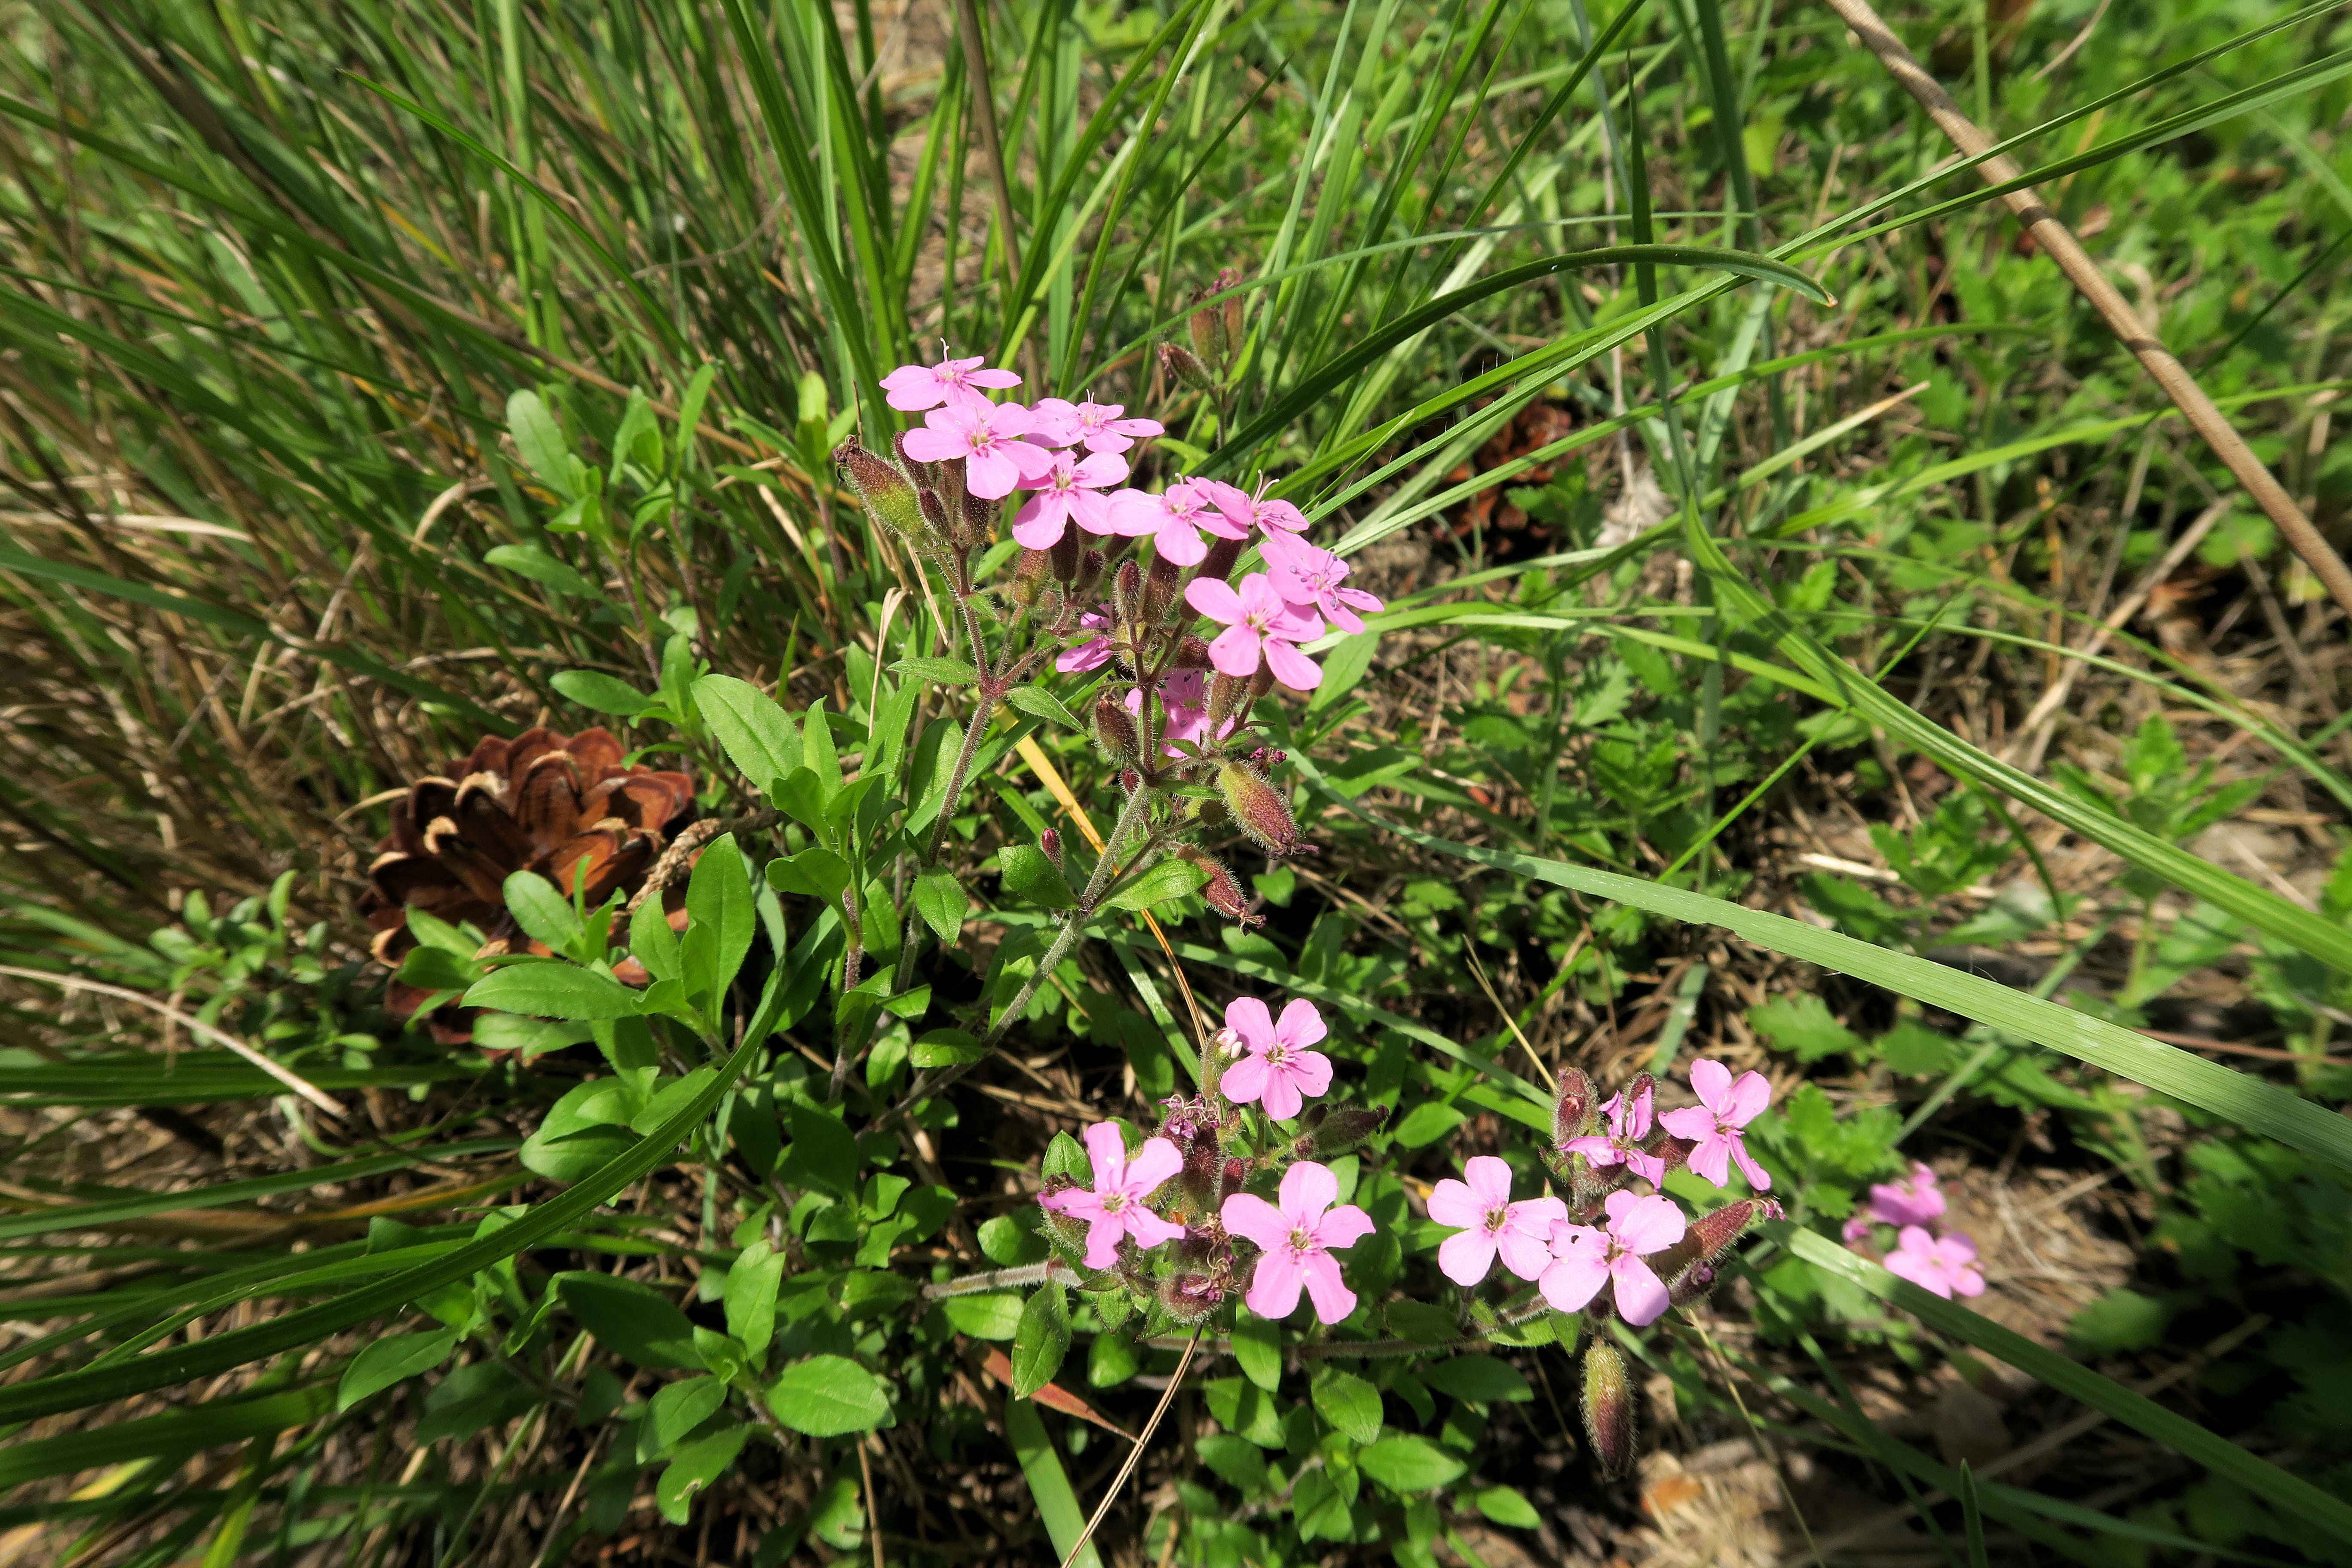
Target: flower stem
(1106, 868)
(1021, 1277)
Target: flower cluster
(1113, 576)
(1925, 1252)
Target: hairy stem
(1021, 1277)
(1105, 868)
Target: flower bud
(1029, 570)
(1160, 589)
(1064, 1233)
(1262, 683)
(1198, 1180)
(1115, 730)
(1181, 367)
(1065, 556)
(925, 475)
(1226, 280)
(1206, 327)
(935, 520)
(1221, 891)
(1571, 1113)
(889, 496)
(1090, 570)
(1259, 808)
(1050, 841)
(1222, 554)
(1126, 593)
(979, 522)
(1192, 653)
(1189, 1298)
(1609, 1417)
(1332, 1131)
(1226, 694)
(1688, 1266)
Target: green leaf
(176, 1433)
(1409, 1464)
(938, 671)
(678, 1409)
(695, 1466)
(552, 989)
(994, 1315)
(393, 1360)
(719, 899)
(539, 439)
(824, 1151)
(1257, 1348)
(601, 693)
(755, 732)
(1007, 1242)
(544, 914)
(1171, 876)
(2122, 1320)
(1237, 1461)
(2251, 1103)
(1348, 1403)
(1507, 1507)
(939, 899)
(945, 1049)
(535, 562)
(828, 1396)
(751, 1296)
(1479, 1378)
(816, 872)
(1028, 874)
(1040, 703)
(1041, 1340)
(1802, 1024)
(1049, 1484)
(1427, 1122)
(632, 1319)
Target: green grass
(275, 273)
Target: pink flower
(915, 387)
(1174, 521)
(986, 436)
(1097, 426)
(1491, 1222)
(1116, 1207)
(1946, 1265)
(1184, 710)
(1273, 515)
(1279, 1072)
(1629, 1119)
(1066, 493)
(1258, 627)
(1310, 579)
(1585, 1259)
(1091, 654)
(1724, 1108)
(1296, 1238)
(1913, 1200)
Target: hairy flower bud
(1259, 808)
(1262, 683)
(1571, 1113)
(1064, 1232)
(1160, 586)
(1189, 1298)
(1090, 571)
(1226, 280)
(1609, 1415)
(889, 496)
(1222, 554)
(1065, 556)
(1115, 730)
(1029, 579)
(1206, 327)
(1198, 1180)
(1688, 1266)
(1183, 368)
(1126, 593)
(1221, 891)
(1332, 1131)
(1192, 653)
(1050, 841)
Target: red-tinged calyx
(1609, 1419)
(1259, 809)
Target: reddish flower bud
(1206, 327)
(1608, 1414)
(1065, 556)
(1222, 554)
(1183, 368)
(1571, 1113)
(1225, 281)
(1029, 570)
(1115, 730)
(1160, 586)
(1192, 653)
(1688, 1266)
(1332, 1131)
(1226, 694)
(1262, 683)
(1259, 808)
(1189, 1298)
(1091, 565)
(1126, 593)
(1050, 841)
(889, 497)
(1198, 1180)
(1221, 891)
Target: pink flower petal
(1758, 1176)
(1535, 1216)
(996, 378)
(1645, 1224)
(1333, 1300)
(1490, 1178)
(1692, 1122)
(1234, 651)
(1246, 1080)
(1290, 667)
(1301, 1024)
(1253, 1218)
(1108, 1151)
(1280, 1099)
(1215, 600)
(1150, 1230)
(1155, 1162)
(1571, 1282)
(1641, 1294)
(1524, 1255)
(1711, 1081)
(1075, 1201)
(1274, 1287)
(1454, 1203)
(1344, 1227)
(1711, 1160)
(932, 444)
(1307, 1189)
(1310, 1073)
(1251, 1019)
(1040, 524)
(991, 474)
(1467, 1257)
(1179, 543)
(1750, 1093)
(1103, 1236)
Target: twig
(1167, 1397)
(229, 1042)
(1020, 1276)
(983, 104)
(2083, 273)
